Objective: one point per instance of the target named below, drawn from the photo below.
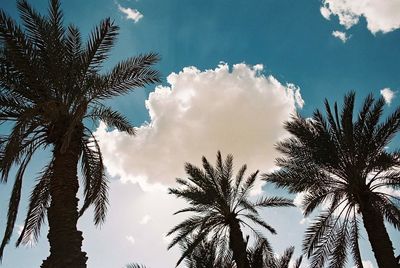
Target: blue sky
(293, 42)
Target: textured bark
(237, 245)
(64, 238)
(378, 236)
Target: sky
(232, 72)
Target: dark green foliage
(49, 84)
(341, 160)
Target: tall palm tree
(221, 205)
(50, 85)
(341, 161)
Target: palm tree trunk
(64, 238)
(378, 236)
(237, 245)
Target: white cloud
(238, 111)
(388, 95)
(131, 13)
(366, 264)
(130, 239)
(381, 16)
(145, 219)
(341, 35)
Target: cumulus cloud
(131, 13)
(381, 16)
(341, 35)
(238, 111)
(388, 95)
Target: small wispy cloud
(145, 219)
(131, 13)
(325, 12)
(388, 95)
(304, 221)
(131, 239)
(341, 35)
(366, 264)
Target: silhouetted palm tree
(341, 160)
(49, 85)
(221, 205)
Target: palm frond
(13, 204)
(36, 26)
(95, 180)
(39, 202)
(100, 42)
(112, 118)
(273, 202)
(129, 74)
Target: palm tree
(50, 86)
(221, 205)
(341, 161)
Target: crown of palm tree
(217, 200)
(49, 84)
(340, 161)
